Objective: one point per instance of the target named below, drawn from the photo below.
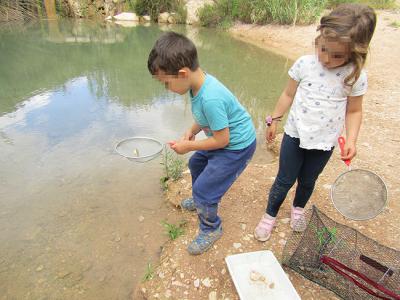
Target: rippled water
(77, 220)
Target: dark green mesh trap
(343, 260)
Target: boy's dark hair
(172, 52)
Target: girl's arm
(286, 98)
(282, 106)
(353, 123)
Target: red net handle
(341, 268)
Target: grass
(395, 24)
(377, 4)
(225, 12)
(174, 231)
(173, 168)
(155, 7)
(149, 274)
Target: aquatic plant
(174, 231)
(149, 273)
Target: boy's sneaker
(297, 219)
(204, 241)
(188, 204)
(264, 228)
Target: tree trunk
(50, 6)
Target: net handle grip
(373, 263)
(342, 142)
(342, 269)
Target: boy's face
(179, 84)
(331, 52)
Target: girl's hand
(188, 136)
(181, 147)
(271, 133)
(349, 151)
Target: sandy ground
(181, 276)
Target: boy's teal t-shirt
(215, 108)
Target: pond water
(77, 220)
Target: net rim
(366, 171)
(140, 158)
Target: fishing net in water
(343, 260)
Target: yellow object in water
(135, 152)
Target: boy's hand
(271, 133)
(349, 151)
(188, 136)
(180, 147)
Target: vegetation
(155, 7)
(378, 4)
(395, 24)
(173, 168)
(224, 12)
(14, 10)
(174, 231)
(149, 274)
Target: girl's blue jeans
(299, 164)
(213, 172)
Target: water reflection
(69, 206)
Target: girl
(324, 93)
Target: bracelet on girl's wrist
(270, 119)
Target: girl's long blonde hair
(352, 23)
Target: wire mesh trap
(343, 260)
(139, 149)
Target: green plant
(395, 24)
(155, 7)
(325, 236)
(173, 168)
(174, 231)
(378, 4)
(149, 274)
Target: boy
(231, 138)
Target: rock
(196, 283)
(237, 245)
(171, 19)
(285, 220)
(145, 19)
(282, 242)
(327, 186)
(212, 295)
(206, 282)
(141, 218)
(243, 226)
(168, 293)
(39, 268)
(163, 17)
(282, 234)
(126, 16)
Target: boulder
(163, 17)
(126, 16)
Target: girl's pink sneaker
(264, 228)
(297, 219)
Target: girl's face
(332, 53)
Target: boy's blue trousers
(213, 172)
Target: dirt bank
(181, 276)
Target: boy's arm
(353, 124)
(219, 140)
(191, 132)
